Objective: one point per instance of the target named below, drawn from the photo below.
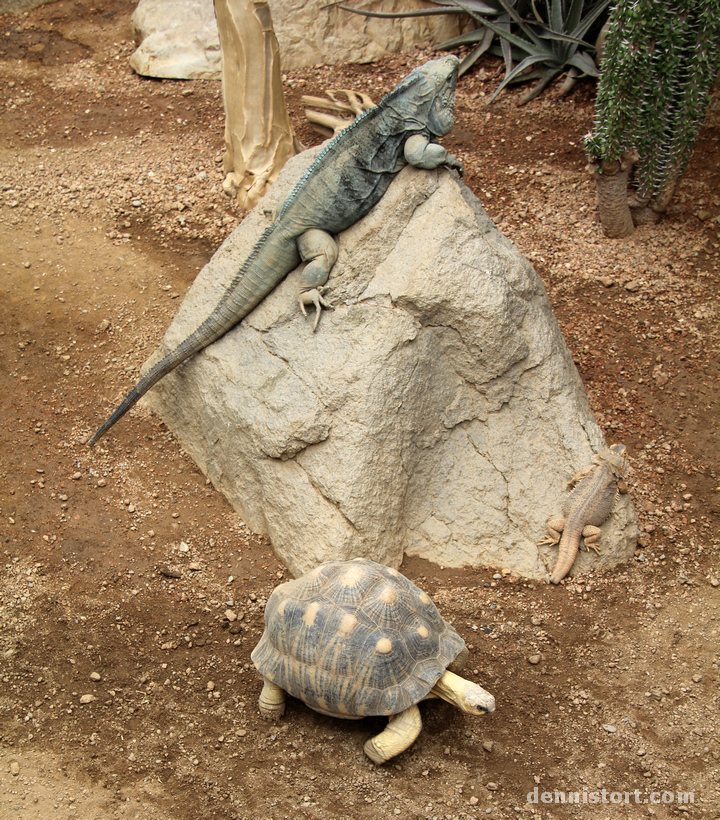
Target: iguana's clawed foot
(454, 163)
(314, 297)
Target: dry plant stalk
(356, 103)
(258, 136)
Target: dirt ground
(131, 593)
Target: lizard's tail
(208, 332)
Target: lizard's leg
(555, 527)
(579, 476)
(272, 701)
(591, 535)
(398, 735)
(423, 154)
(320, 251)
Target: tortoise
(356, 638)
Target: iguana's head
(432, 89)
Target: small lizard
(594, 491)
(349, 176)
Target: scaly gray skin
(588, 505)
(348, 177)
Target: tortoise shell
(355, 638)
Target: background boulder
(435, 412)
(179, 38)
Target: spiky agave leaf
(553, 44)
(552, 50)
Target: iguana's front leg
(423, 154)
(320, 251)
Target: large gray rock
(435, 412)
(179, 38)
(318, 32)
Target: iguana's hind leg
(320, 251)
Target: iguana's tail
(208, 332)
(268, 263)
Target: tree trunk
(612, 187)
(258, 136)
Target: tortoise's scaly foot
(271, 702)
(398, 735)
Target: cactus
(659, 66)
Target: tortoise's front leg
(398, 735)
(272, 701)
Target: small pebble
(608, 727)
(184, 547)
(230, 615)
(14, 768)
(534, 659)
(87, 699)
(493, 787)
(95, 676)
(488, 745)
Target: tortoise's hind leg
(398, 735)
(272, 701)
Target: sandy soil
(132, 595)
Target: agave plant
(481, 38)
(553, 45)
(534, 45)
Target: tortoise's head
(431, 87)
(476, 701)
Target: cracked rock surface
(436, 412)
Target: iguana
(349, 176)
(593, 495)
